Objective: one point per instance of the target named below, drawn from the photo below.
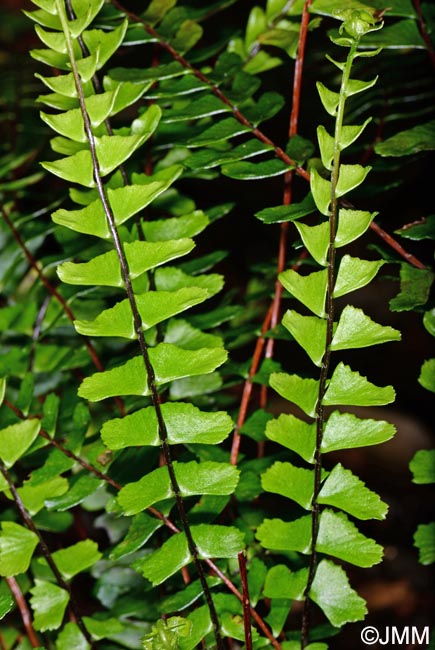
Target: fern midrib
(155, 399)
(326, 360)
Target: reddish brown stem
(396, 246)
(273, 315)
(246, 600)
(288, 178)
(257, 618)
(24, 611)
(423, 31)
(247, 388)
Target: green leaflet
(171, 279)
(422, 466)
(185, 423)
(345, 491)
(316, 240)
(351, 176)
(209, 158)
(415, 285)
(290, 212)
(424, 538)
(71, 637)
(348, 387)
(16, 548)
(346, 431)
(111, 151)
(34, 496)
(340, 538)
(193, 478)
(354, 274)
(201, 626)
(302, 392)
(351, 225)
(329, 98)
(183, 334)
(105, 269)
(356, 330)
(72, 560)
(246, 171)
(310, 290)
(102, 629)
(309, 332)
(402, 34)
(427, 375)
(142, 528)
(99, 107)
(125, 202)
(326, 145)
(203, 107)
(292, 482)
(16, 439)
(405, 143)
(283, 583)
(341, 489)
(154, 307)
(6, 600)
(188, 225)
(295, 434)
(277, 535)
(423, 229)
(211, 541)
(168, 631)
(333, 594)
(195, 386)
(81, 487)
(321, 189)
(48, 602)
(337, 537)
(169, 362)
(221, 131)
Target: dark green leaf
(246, 171)
(424, 540)
(415, 286)
(422, 229)
(422, 466)
(287, 212)
(418, 138)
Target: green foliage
(123, 360)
